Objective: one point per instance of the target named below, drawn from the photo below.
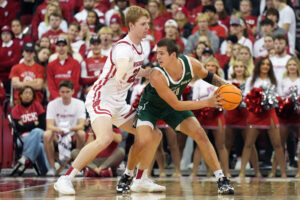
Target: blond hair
(246, 72)
(219, 71)
(47, 15)
(105, 29)
(202, 16)
(134, 13)
(286, 73)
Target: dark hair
(97, 24)
(281, 37)
(67, 84)
(17, 20)
(208, 8)
(273, 11)
(256, 71)
(24, 88)
(266, 21)
(232, 38)
(55, 14)
(170, 44)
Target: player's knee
(200, 136)
(157, 135)
(105, 140)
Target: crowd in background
(52, 51)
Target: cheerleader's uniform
(261, 120)
(236, 118)
(286, 84)
(202, 90)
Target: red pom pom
(253, 100)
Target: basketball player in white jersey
(106, 103)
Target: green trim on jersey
(152, 107)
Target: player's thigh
(191, 127)
(175, 118)
(102, 127)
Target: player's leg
(191, 127)
(102, 127)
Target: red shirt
(56, 72)
(28, 73)
(93, 68)
(27, 114)
(218, 29)
(2, 93)
(251, 21)
(111, 148)
(159, 22)
(23, 40)
(9, 56)
(8, 13)
(53, 35)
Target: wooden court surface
(177, 188)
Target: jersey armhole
(163, 73)
(191, 66)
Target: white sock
(129, 172)
(219, 174)
(145, 173)
(73, 173)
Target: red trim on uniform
(139, 174)
(137, 50)
(130, 112)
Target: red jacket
(56, 73)
(23, 40)
(8, 13)
(93, 68)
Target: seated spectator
(42, 56)
(7, 12)
(43, 42)
(105, 34)
(28, 73)
(9, 55)
(17, 29)
(77, 45)
(92, 67)
(65, 123)
(273, 14)
(202, 23)
(185, 27)
(64, 67)
(171, 31)
(120, 6)
(116, 27)
(45, 26)
(259, 49)
(89, 5)
(55, 19)
(29, 117)
(93, 23)
(108, 160)
(246, 9)
(223, 17)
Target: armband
(209, 77)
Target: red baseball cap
(115, 19)
(183, 10)
(7, 28)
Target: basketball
(232, 96)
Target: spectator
(77, 45)
(85, 33)
(108, 160)
(45, 26)
(93, 23)
(171, 30)
(62, 68)
(198, 52)
(236, 29)
(273, 15)
(28, 73)
(116, 26)
(89, 5)
(158, 17)
(251, 20)
(7, 12)
(218, 29)
(202, 23)
(259, 48)
(92, 67)
(9, 55)
(65, 123)
(120, 5)
(287, 21)
(267, 50)
(185, 27)
(105, 34)
(42, 56)
(29, 117)
(263, 74)
(43, 42)
(280, 59)
(17, 29)
(55, 19)
(223, 17)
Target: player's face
(292, 67)
(66, 93)
(163, 57)
(141, 27)
(211, 67)
(265, 66)
(27, 96)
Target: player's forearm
(217, 81)
(191, 105)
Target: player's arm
(159, 82)
(123, 65)
(202, 73)
(144, 72)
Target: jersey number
(132, 78)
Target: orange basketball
(232, 96)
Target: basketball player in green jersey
(161, 101)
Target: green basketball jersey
(150, 95)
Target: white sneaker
(146, 185)
(64, 185)
(51, 172)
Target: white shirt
(287, 16)
(243, 41)
(279, 66)
(259, 49)
(110, 13)
(104, 52)
(7, 44)
(65, 116)
(82, 15)
(286, 84)
(43, 28)
(77, 45)
(202, 90)
(258, 83)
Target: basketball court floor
(177, 188)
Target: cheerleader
(213, 120)
(237, 118)
(291, 80)
(263, 74)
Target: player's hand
(214, 101)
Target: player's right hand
(214, 101)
